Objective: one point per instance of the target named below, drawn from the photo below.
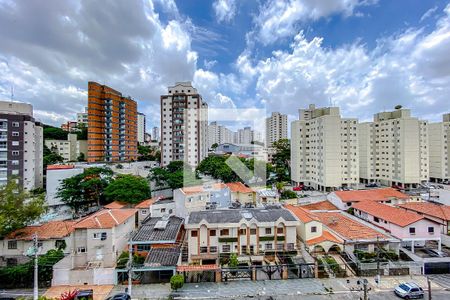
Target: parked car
(397, 187)
(297, 188)
(119, 296)
(445, 182)
(372, 184)
(409, 290)
(85, 295)
(435, 253)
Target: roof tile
(106, 218)
(431, 209)
(389, 213)
(382, 194)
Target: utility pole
(35, 287)
(429, 287)
(130, 266)
(365, 282)
(378, 260)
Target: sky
(364, 56)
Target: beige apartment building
(324, 149)
(393, 149)
(439, 148)
(276, 128)
(69, 149)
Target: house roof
(303, 214)
(236, 215)
(50, 230)
(326, 236)
(60, 167)
(382, 194)
(106, 218)
(149, 231)
(322, 205)
(431, 209)
(267, 193)
(239, 187)
(158, 257)
(389, 213)
(115, 204)
(348, 228)
(202, 188)
(147, 203)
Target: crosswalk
(441, 279)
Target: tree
(176, 282)
(50, 157)
(281, 160)
(175, 175)
(214, 146)
(82, 134)
(149, 153)
(233, 262)
(288, 194)
(84, 189)
(17, 207)
(128, 188)
(81, 157)
(54, 133)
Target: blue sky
(280, 55)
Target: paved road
(441, 279)
(15, 293)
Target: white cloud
(428, 13)
(280, 18)
(225, 10)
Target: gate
(241, 273)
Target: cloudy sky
(280, 55)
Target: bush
(234, 262)
(176, 282)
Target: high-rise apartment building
(155, 134)
(219, 134)
(394, 149)
(141, 127)
(69, 149)
(82, 118)
(276, 128)
(184, 121)
(21, 145)
(112, 125)
(244, 136)
(324, 149)
(439, 148)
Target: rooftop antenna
(12, 93)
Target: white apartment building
(82, 118)
(276, 128)
(439, 149)
(69, 149)
(324, 149)
(244, 136)
(394, 149)
(218, 134)
(140, 128)
(155, 134)
(184, 120)
(21, 145)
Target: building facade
(439, 148)
(276, 128)
(218, 134)
(112, 125)
(82, 118)
(21, 145)
(184, 120)
(155, 134)
(324, 149)
(394, 149)
(69, 149)
(141, 128)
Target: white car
(409, 290)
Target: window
(81, 249)
(253, 231)
(244, 249)
(376, 219)
(15, 133)
(226, 248)
(242, 231)
(15, 162)
(269, 246)
(60, 244)
(203, 249)
(213, 249)
(163, 210)
(144, 211)
(290, 246)
(268, 230)
(280, 230)
(280, 246)
(15, 143)
(143, 247)
(15, 153)
(12, 244)
(100, 236)
(412, 230)
(313, 228)
(194, 233)
(212, 232)
(431, 230)
(224, 232)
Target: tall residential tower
(439, 147)
(276, 128)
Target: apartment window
(12, 244)
(100, 236)
(194, 233)
(242, 231)
(290, 246)
(412, 230)
(280, 230)
(431, 230)
(143, 247)
(15, 124)
(269, 246)
(15, 133)
(144, 211)
(224, 232)
(313, 228)
(15, 153)
(212, 232)
(226, 248)
(163, 210)
(60, 244)
(252, 231)
(375, 219)
(244, 249)
(15, 162)
(213, 249)
(15, 143)
(280, 246)
(203, 249)
(81, 250)
(268, 230)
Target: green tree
(233, 262)
(82, 134)
(54, 133)
(288, 194)
(81, 157)
(214, 146)
(17, 207)
(174, 176)
(176, 282)
(50, 157)
(128, 188)
(84, 189)
(281, 160)
(149, 153)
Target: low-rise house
(249, 233)
(241, 193)
(431, 211)
(345, 199)
(162, 207)
(51, 235)
(97, 241)
(201, 197)
(267, 197)
(117, 205)
(411, 228)
(321, 205)
(145, 208)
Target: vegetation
(21, 276)
(288, 194)
(17, 207)
(233, 262)
(176, 282)
(149, 153)
(214, 146)
(82, 134)
(122, 261)
(81, 157)
(281, 160)
(174, 176)
(128, 188)
(50, 157)
(366, 257)
(54, 133)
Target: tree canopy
(17, 207)
(174, 176)
(54, 133)
(149, 153)
(50, 157)
(128, 188)
(281, 160)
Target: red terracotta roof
(239, 187)
(431, 209)
(197, 268)
(383, 194)
(322, 205)
(303, 214)
(389, 213)
(106, 218)
(347, 227)
(50, 230)
(147, 203)
(60, 167)
(326, 236)
(115, 204)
